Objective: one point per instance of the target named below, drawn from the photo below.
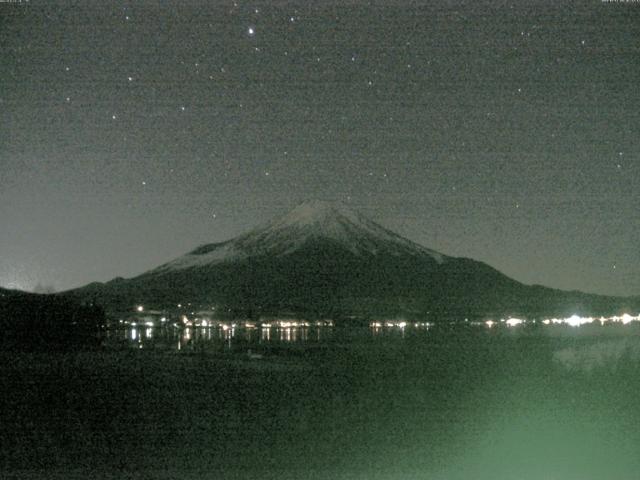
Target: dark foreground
(464, 404)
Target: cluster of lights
(573, 320)
(514, 322)
(399, 324)
(291, 324)
(208, 323)
(193, 320)
(296, 324)
(576, 321)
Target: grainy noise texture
(502, 131)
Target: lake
(383, 402)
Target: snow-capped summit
(314, 211)
(310, 221)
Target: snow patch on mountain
(311, 220)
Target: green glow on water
(474, 404)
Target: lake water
(225, 337)
(429, 402)
(229, 337)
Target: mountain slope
(321, 260)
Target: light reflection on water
(217, 337)
(238, 335)
(227, 336)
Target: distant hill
(34, 321)
(326, 260)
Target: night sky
(508, 132)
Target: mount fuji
(309, 223)
(322, 259)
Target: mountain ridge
(324, 260)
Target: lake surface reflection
(293, 399)
(228, 336)
(221, 337)
(234, 336)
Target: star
(183, 108)
(130, 79)
(113, 117)
(68, 99)
(251, 31)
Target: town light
(512, 322)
